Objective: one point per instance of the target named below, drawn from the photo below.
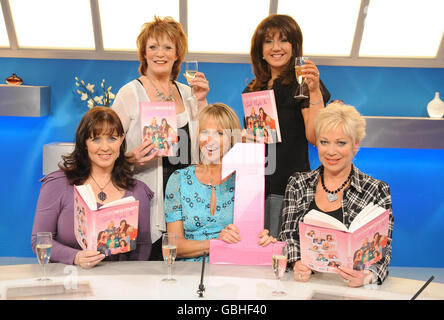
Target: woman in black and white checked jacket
(336, 188)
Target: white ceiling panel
(53, 24)
(328, 26)
(122, 20)
(4, 41)
(224, 26)
(403, 28)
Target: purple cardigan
(55, 213)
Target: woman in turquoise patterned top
(198, 203)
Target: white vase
(435, 108)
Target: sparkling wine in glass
(191, 67)
(298, 63)
(169, 250)
(279, 264)
(43, 251)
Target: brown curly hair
(157, 29)
(287, 27)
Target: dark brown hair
(158, 28)
(77, 165)
(288, 28)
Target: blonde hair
(225, 117)
(158, 28)
(338, 114)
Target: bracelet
(317, 102)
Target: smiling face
(104, 149)
(277, 51)
(214, 141)
(336, 150)
(160, 55)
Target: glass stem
(169, 272)
(44, 271)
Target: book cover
(111, 229)
(323, 249)
(261, 119)
(158, 123)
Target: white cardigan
(126, 104)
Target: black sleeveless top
(173, 163)
(291, 154)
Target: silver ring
(89, 264)
(346, 280)
(300, 276)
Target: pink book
(111, 229)
(158, 123)
(261, 119)
(326, 243)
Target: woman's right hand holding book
(139, 155)
(301, 271)
(88, 258)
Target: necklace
(159, 95)
(331, 195)
(101, 195)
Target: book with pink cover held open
(326, 243)
(110, 229)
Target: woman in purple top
(98, 159)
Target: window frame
(14, 51)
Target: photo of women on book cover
(158, 123)
(119, 236)
(111, 230)
(261, 121)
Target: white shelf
(24, 101)
(404, 132)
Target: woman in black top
(275, 44)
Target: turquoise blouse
(188, 199)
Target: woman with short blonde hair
(225, 117)
(199, 203)
(336, 188)
(346, 116)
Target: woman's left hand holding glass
(311, 75)
(355, 278)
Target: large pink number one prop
(248, 160)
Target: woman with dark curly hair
(98, 159)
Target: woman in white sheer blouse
(162, 45)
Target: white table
(142, 280)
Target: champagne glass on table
(43, 250)
(190, 72)
(298, 63)
(169, 250)
(279, 264)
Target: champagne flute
(169, 249)
(298, 63)
(43, 250)
(190, 73)
(279, 264)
